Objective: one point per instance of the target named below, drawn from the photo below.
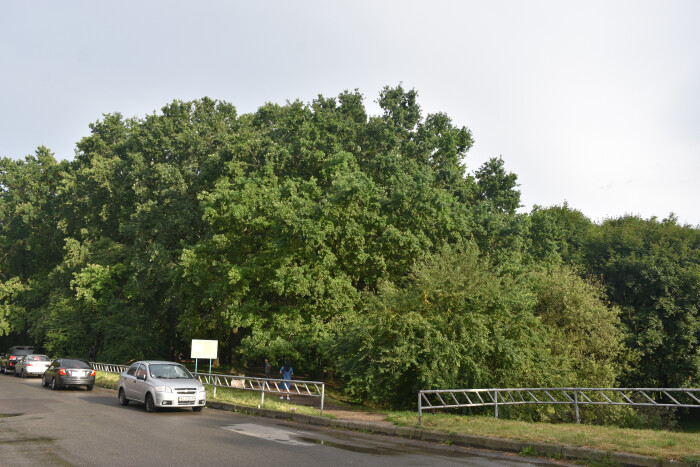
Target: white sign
(204, 349)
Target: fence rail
(108, 367)
(266, 385)
(633, 397)
(263, 385)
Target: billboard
(204, 349)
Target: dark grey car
(68, 372)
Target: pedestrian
(267, 369)
(286, 373)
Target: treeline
(361, 247)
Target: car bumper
(34, 372)
(169, 399)
(75, 381)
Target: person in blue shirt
(286, 373)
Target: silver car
(32, 365)
(158, 384)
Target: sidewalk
(376, 423)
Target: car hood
(177, 383)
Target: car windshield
(169, 371)
(74, 364)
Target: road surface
(67, 427)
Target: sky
(596, 103)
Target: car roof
(150, 362)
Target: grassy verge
(253, 399)
(106, 380)
(655, 443)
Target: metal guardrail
(108, 367)
(633, 397)
(265, 385)
(262, 385)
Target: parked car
(32, 365)
(8, 362)
(158, 384)
(67, 372)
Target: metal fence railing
(266, 385)
(262, 385)
(633, 397)
(108, 367)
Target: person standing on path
(286, 373)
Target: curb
(472, 441)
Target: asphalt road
(76, 427)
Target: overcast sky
(595, 103)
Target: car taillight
(92, 373)
(30, 364)
(12, 357)
(62, 372)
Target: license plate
(77, 373)
(186, 399)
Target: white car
(158, 384)
(32, 365)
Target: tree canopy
(361, 247)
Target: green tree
(651, 269)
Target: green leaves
(359, 246)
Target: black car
(8, 362)
(67, 372)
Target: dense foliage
(359, 246)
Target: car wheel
(43, 381)
(89, 387)
(53, 384)
(150, 405)
(197, 409)
(122, 398)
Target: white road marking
(271, 434)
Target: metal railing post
(578, 420)
(323, 395)
(420, 408)
(496, 402)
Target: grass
(655, 443)
(662, 444)
(253, 399)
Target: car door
(128, 380)
(20, 364)
(138, 384)
(51, 371)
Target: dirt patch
(355, 416)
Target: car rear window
(22, 351)
(38, 358)
(74, 364)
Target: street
(76, 427)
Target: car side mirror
(141, 377)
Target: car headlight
(163, 389)
(201, 389)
